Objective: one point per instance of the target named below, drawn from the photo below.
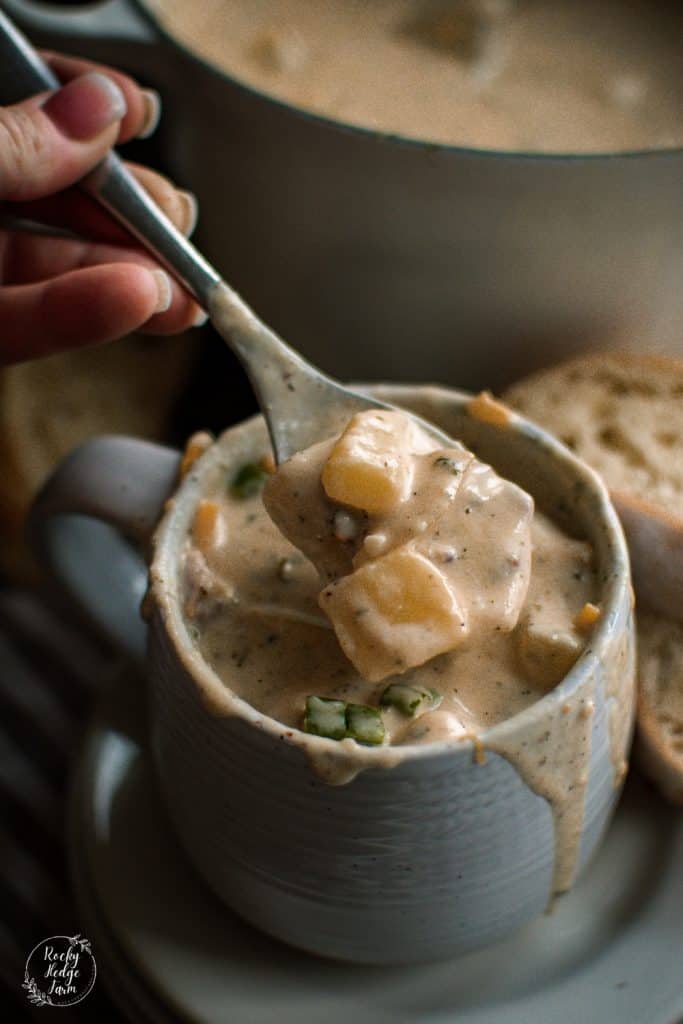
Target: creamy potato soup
(409, 595)
(541, 75)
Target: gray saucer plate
(128, 990)
(611, 953)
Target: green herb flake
(410, 700)
(248, 481)
(325, 717)
(364, 724)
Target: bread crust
(659, 744)
(655, 543)
(656, 758)
(655, 538)
(664, 364)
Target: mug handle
(90, 526)
(110, 19)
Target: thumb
(50, 141)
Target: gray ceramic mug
(369, 251)
(450, 848)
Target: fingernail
(83, 108)
(165, 293)
(189, 211)
(152, 101)
(200, 319)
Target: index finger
(143, 105)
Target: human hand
(58, 293)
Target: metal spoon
(301, 405)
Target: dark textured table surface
(50, 675)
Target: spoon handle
(300, 404)
(24, 73)
(117, 190)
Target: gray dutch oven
(378, 256)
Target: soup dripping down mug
(435, 851)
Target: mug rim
(223, 702)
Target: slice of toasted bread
(623, 413)
(50, 405)
(660, 703)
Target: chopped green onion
(325, 717)
(364, 724)
(337, 720)
(248, 480)
(410, 700)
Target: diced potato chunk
(487, 409)
(195, 447)
(546, 654)
(393, 613)
(587, 617)
(371, 465)
(208, 528)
